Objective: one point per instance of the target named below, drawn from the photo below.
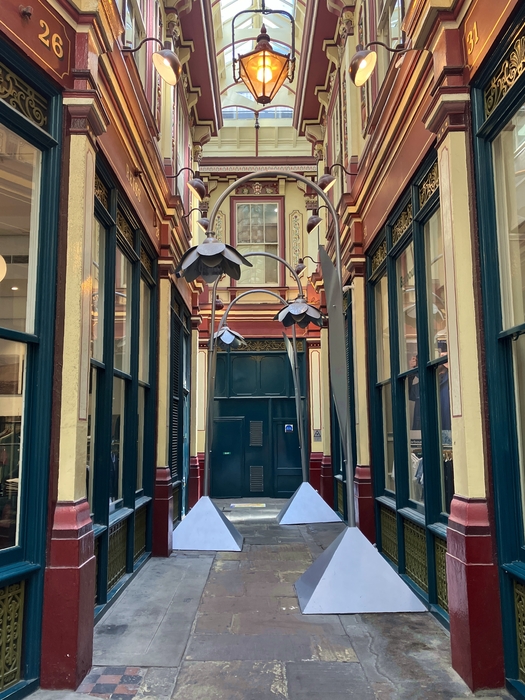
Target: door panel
(287, 457)
(227, 458)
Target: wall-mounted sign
(317, 435)
(288, 428)
(42, 34)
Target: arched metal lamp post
(350, 576)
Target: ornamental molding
(429, 185)
(101, 192)
(266, 345)
(307, 167)
(379, 256)
(296, 227)
(402, 224)
(146, 261)
(258, 188)
(220, 220)
(506, 75)
(125, 229)
(17, 93)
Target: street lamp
(203, 222)
(210, 260)
(166, 62)
(357, 578)
(327, 181)
(195, 184)
(364, 61)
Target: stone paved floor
(226, 626)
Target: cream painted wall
(466, 409)
(360, 370)
(75, 367)
(163, 368)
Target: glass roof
(247, 27)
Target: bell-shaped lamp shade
(362, 66)
(226, 338)
(197, 187)
(3, 268)
(204, 223)
(300, 266)
(326, 181)
(168, 65)
(313, 222)
(263, 70)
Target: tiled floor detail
(113, 682)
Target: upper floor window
(257, 226)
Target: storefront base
(314, 476)
(69, 593)
(162, 513)
(364, 497)
(326, 486)
(476, 637)
(196, 480)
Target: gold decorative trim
(402, 223)
(117, 552)
(146, 260)
(506, 75)
(379, 256)
(11, 633)
(258, 188)
(519, 608)
(219, 224)
(125, 229)
(440, 550)
(340, 498)
(140, 533)
(101, 192)
(416, 554)
(389, 533)
(256, 345)
(296, 226)
(22, 97)
(429, 185)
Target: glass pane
(12, 375)
(140, 437)
(90, 459)
(436, 287)
(382, 330)
(117, 439)
(388, 437)
(415, 451)
(518, 348)
(445, 432)
(97, 291)
(257, 230)
(509, 183)
(122, 312)
(407, 310)
(19, 213)
(145, 306)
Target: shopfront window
(123, 270)
(509, 182)
(145, 305)
(257, 230)
(383, 376)
(117, 440)
(97, 290)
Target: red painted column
(327, 480)
(69, 595)
(476, 636)
(315, 470)
(364, 497)
(196, 479)
(162, 514)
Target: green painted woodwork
(498, 357)
(388, 533)
(416, 564)
(11, 633)
(441, 572)
(117, 552)
(140, 532)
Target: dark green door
(286, 457)
(227, 458)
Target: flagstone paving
(227, 626)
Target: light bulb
(264, 72)
(362, 65)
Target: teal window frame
(105, 514)
(428, 515)
(502, 422)
(27, 560)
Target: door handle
(226, 453)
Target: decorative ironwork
(125, 229)
(519, 606)
(271, 345)
(506, 75)
(402, 223)
(296, 221)
(440, 550)
(219, 226)
(340, 498)
(117, 552)
(379, 256)
(389, 534)
(22, 97)
(97, 564)
(258, 188)
(101, 192)
(429, 185)
(11, 633)
(146, 260)
(416, 554)
(140, 533)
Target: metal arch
(347, 443)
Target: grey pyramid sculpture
(351, 576)
(307, 506)
(206, 528)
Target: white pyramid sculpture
(206, 528)
(351, 576)
(307, 506)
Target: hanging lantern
(264, 70)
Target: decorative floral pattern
(23, 98)
(510, 70)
